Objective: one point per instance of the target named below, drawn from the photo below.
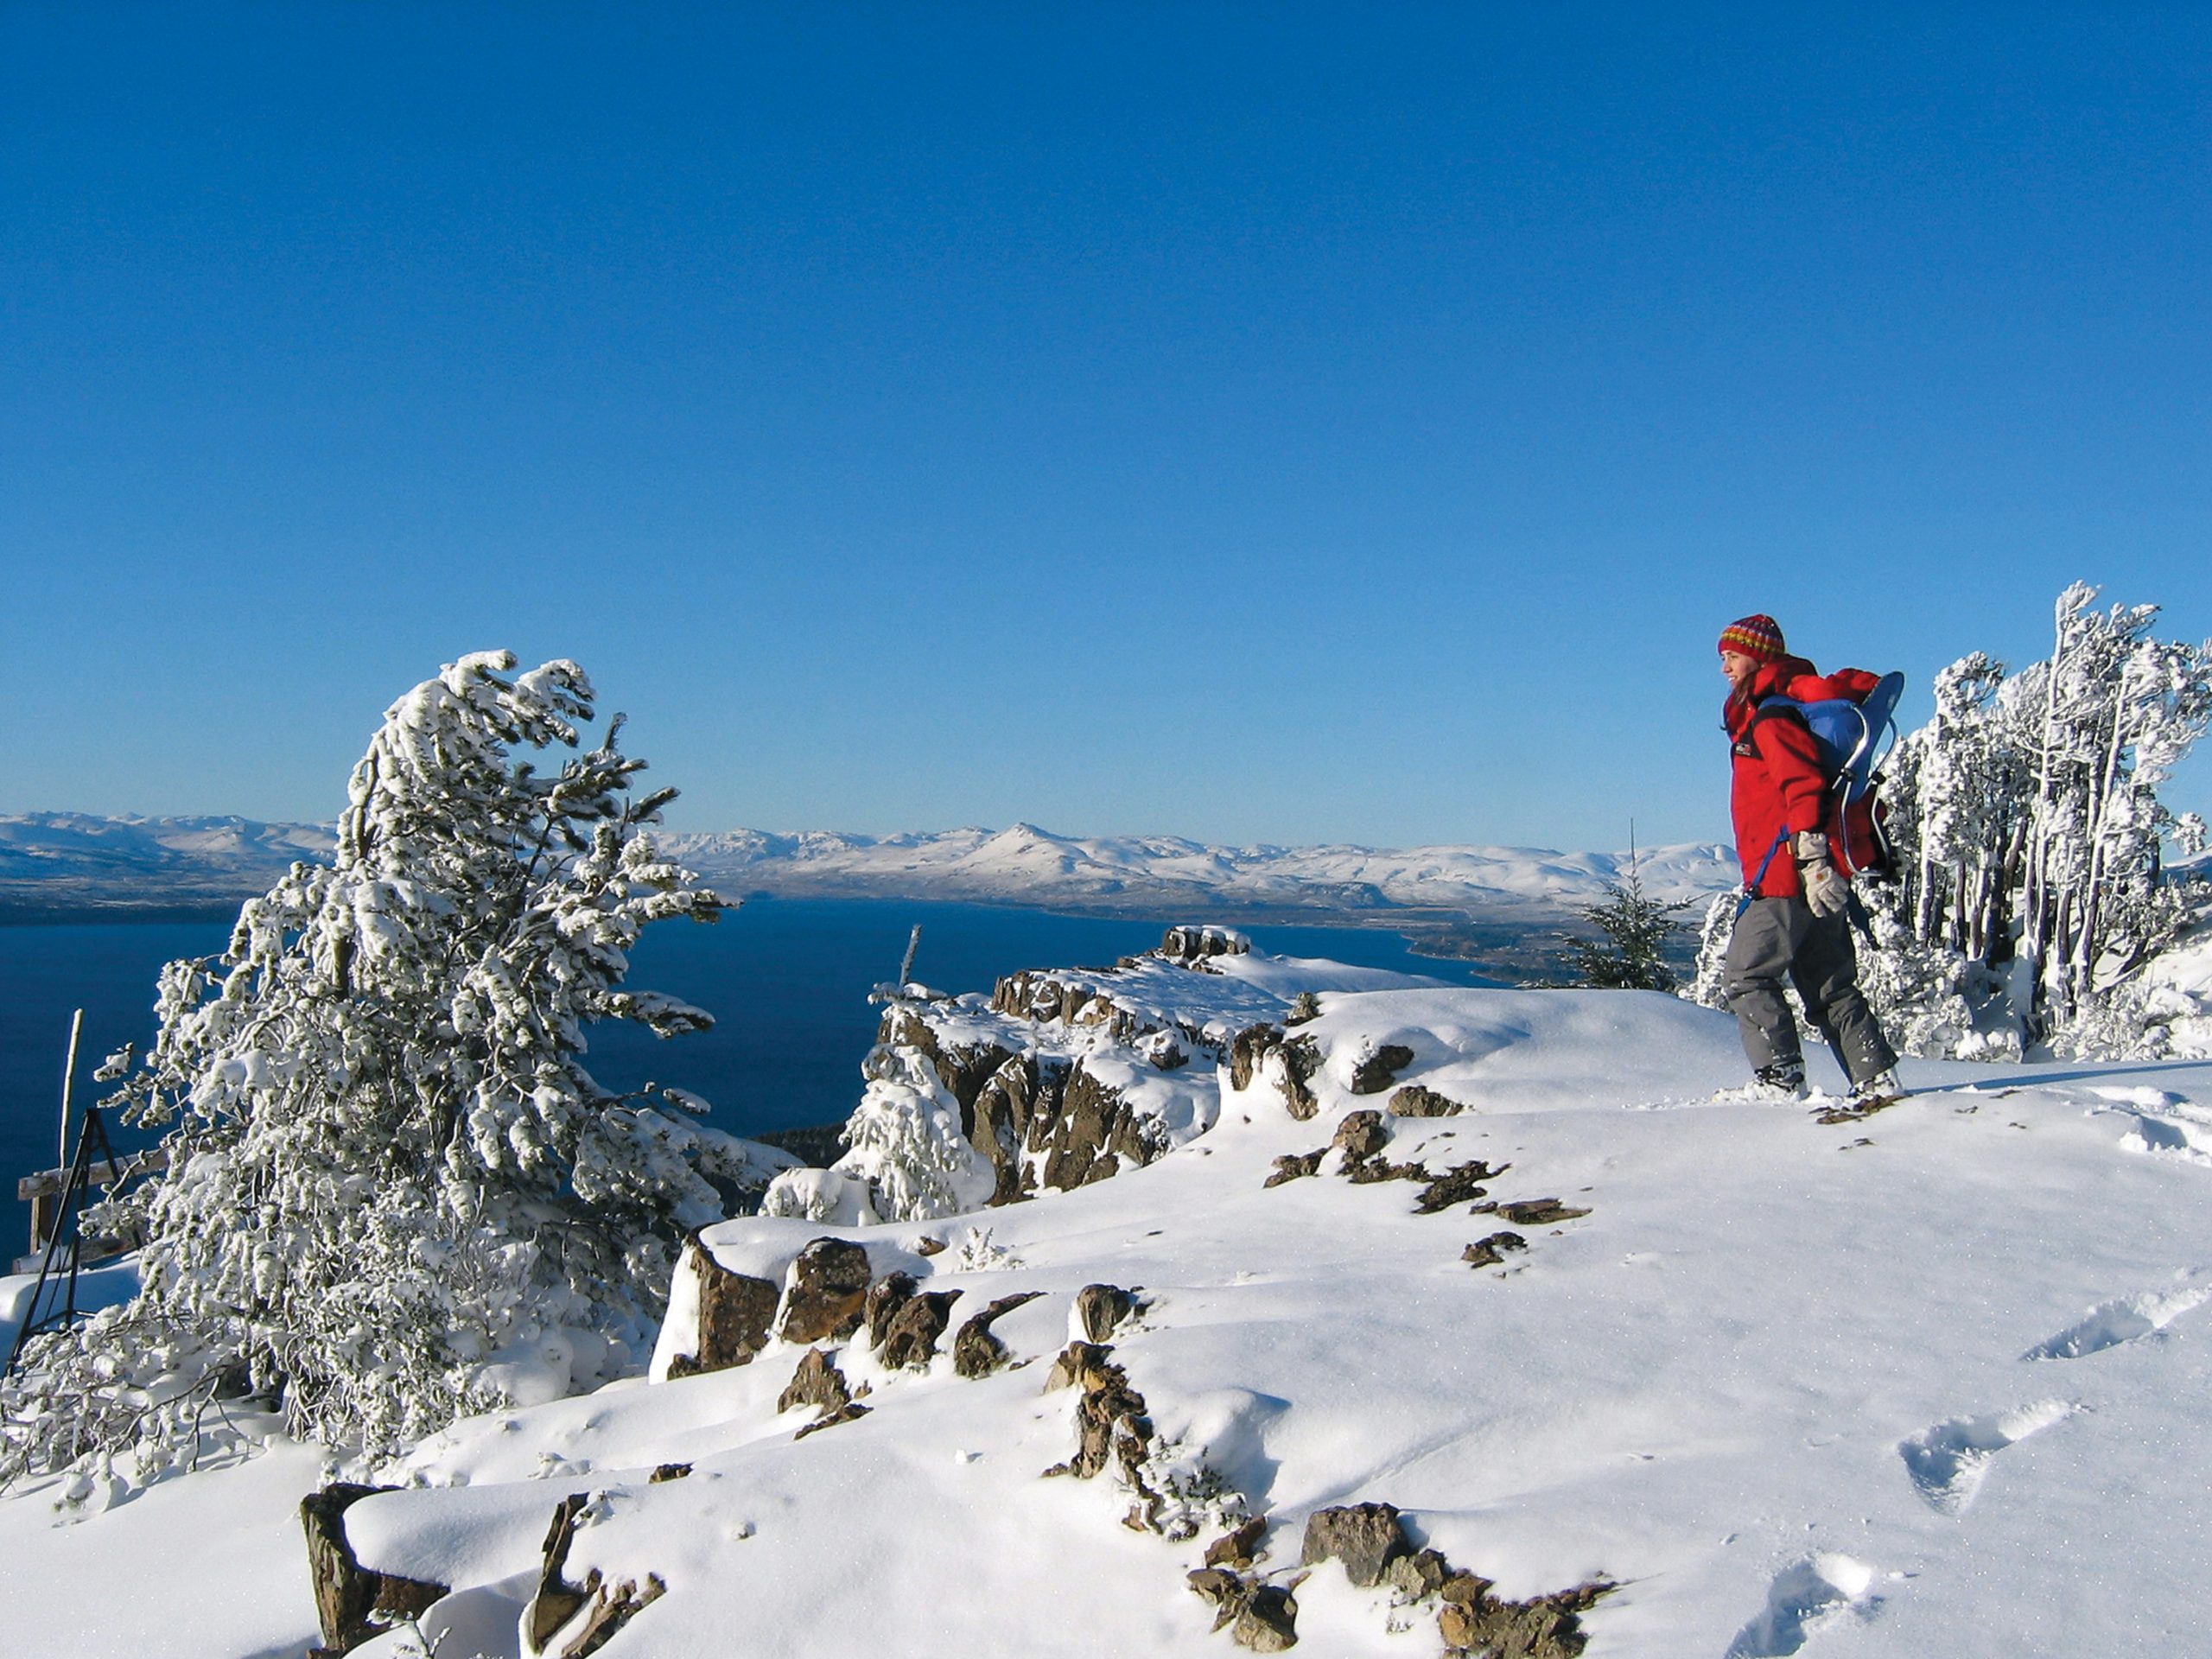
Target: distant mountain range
(56, 864)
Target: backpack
(1852, 739)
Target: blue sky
(1276, 422)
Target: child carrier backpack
(1852, 738)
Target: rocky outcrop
(1094, 1132)
(1366, 1537)
(1262, 1052)
(736, 1313)
(1491, 1251)
(1475, 1624)
(1361, 1135)
(827, 1295)
(1191, 945)
(816, 1382)
(1100, 1309)
(910, 1343)
(977, 1351)
(1535, 1212)
(1380, 1069)
(1413, 1100)
(885, 1298)
(351, 1602)
(573, 1621)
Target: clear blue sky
(1273, 422)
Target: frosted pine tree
(908, 1158)
(395, 1195)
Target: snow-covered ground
(1933, 1383)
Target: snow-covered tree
(907, 1158)
(2027, 813)
(394, 1193)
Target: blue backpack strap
(1751, 886)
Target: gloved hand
(1826, 892)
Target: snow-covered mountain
(1456, 1320)
(1028, 865)
(54, 862)
(58, 863)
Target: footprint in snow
(1949, 1462)
(2129, 1318)
(1826, 1589)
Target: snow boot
(1769, 1083)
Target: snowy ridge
(1895, 1387)
(55, 862)
(1025, 864)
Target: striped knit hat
(1757, 636)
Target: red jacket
(1779, 786)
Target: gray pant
(1775, 937)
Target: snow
(1930, 1383)
(43, 854)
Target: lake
(787, 980)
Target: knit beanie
(1757, 636)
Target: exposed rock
(1457, 1186)
(1538, 1212)
(1362, 1134)
(1287, 1063)
(1380, 1069)
(885, 1298)
(845, 1414)
(1366, 1537)
(929, 1244)
(1305, 1007)
(1363, 1171)
(1225, 1590)
(1110, 1418)
(1094, 1132)
(1473, 1621)
(1016, 1100)
(829, 1293)
(1246, 1050)
(1269, 1623)
(816, 1382)
(351, 1602)
(1240, 1548)
(1189, 945)
(1100, 1309)
(735, 1313)
(1489, 1252)
(1295, 1165)
(1080, 1365)
(558, 1601)
(1418, 1576)
(667, 1471)
(976, 1351)
(911, 1341)
(1413, 1100)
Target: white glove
(1826, 892)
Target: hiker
(1795, 919)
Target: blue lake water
(788, 981)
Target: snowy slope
(1930, 1383)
